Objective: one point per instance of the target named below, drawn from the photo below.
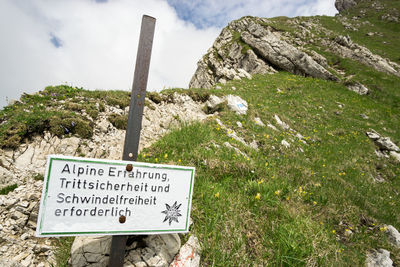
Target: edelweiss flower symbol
(172, 213)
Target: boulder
(393, 235)
(358, 88)
(189, 254)
(213, 101)
(237, 104)
(384, 143)
(378, 258)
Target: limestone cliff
(253, 45)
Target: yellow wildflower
(277, 192)
(165, 155)
(216, 195)
(258, 196)
(260, 181)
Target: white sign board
(84, 196)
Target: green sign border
(51, 158)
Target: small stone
(17, 215)
(285, 143)
(395, 155)
(365, 117)
(24, 236)
(373, 135)
(259, 122)
(281, 123)
(272, 126)
(9, 203)
(348, 232)
(23, 204)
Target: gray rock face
(378, 258)
(18, 216)
(282, 54)
(246, 47)
(342, 5)
(155, 250)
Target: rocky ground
(25, 167)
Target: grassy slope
(308, 200)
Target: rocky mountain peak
(250, 46)
(253, 45)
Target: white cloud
(99, 45)
(99, 40)
(204, 13)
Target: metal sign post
(132, 135)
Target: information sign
(83, 196)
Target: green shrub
(119, 121)
(8, 189)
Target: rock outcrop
(247, 47)
(345, 47)
(342, 5)
(385, 145)
(253, 45)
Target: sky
(93, 43)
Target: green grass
(63, 250)
(8, 189)
(34, 114)
(307, 200)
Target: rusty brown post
(132, 136)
